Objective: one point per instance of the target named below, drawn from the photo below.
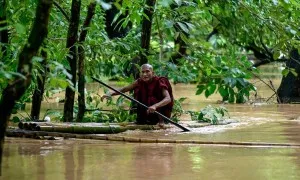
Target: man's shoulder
(164, 81)
(163, 78)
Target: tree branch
(61, 10)
(88, 19)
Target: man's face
(147, 73)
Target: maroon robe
(150, 93)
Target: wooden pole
(132, 99)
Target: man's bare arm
(166, 100)
(123, 90)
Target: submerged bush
(209, 114)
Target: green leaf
(135, 16)
(182, 99)
(169, 23)
(165, 3)
(116, 18)
(190, 25)
(178, 2)
(183, 27)
(212, 88)
(104, 5)
(57, 82)
(227, 80)
(223, 91)
(276, 55)
(242, 81)
(120, 101)
(231, 95)
(218, 61)
(200, 116)
(200, 89)
(14, 110)
(145, 16)
(208, 71)
(20, 28)
(206, 93)
(293, 71)
(285, 72)
(15, 119)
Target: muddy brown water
(75, 159)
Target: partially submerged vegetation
(210, 114)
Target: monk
(153, 91)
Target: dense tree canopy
(211, 43)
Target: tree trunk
(81, 65)
(4, 31)
(115, 30)
(180, 44)
(146, 30)
(39, 90)
(131, 68)
(72, 59)
(16, 88)
(289, 89)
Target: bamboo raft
(84, 128)
(93, 128)
(107, 137)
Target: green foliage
(115, 110)
(286, 71)
(209, 114)
(57, 76)
(177, 109)
(15, 119)
(178, 74)
(230, 80)
(218, 63)
(267, 24)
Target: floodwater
(75, 159)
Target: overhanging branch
(61, 10)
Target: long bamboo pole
(136, 101)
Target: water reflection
(70, 167)
(245, 163)
(196, 157)
(41, 171)
(152, 161)
(78, 159)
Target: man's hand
(151, 109)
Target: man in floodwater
(154, 92)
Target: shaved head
(147, 66)
(147, 72)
